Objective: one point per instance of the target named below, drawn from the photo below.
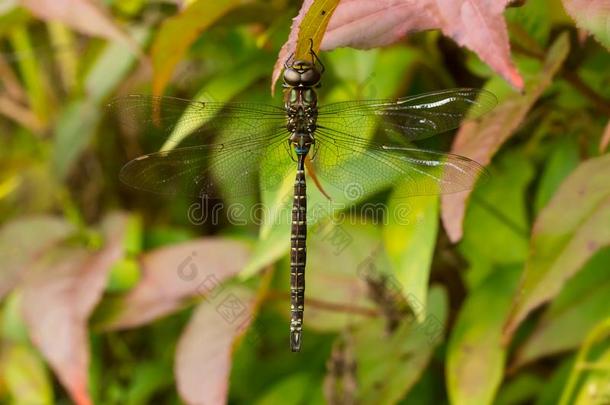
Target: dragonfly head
(301, 73)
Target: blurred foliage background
(114, 296)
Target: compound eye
(310, 77)
(292, 77)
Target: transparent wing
(356, 167)
(411, 118)
(217, 170)
(189, 122)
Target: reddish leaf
(605, 141)
(309, 25)
(58, 296)
(592, 16)
(22, 241)
(475, 24)
(85, 16)
(172, 274)
(203, 355)
(177, 33)
(480, 140)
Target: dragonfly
(230, 150)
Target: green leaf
(313, 27)
(534, 18)
(67, 60)
(579, 306)
(364, 74)
(32, 74)
(111, 66)
(177, 33)
(562, 160)
(75, 128)
(496, 227)
(296, 387)
(78, 121)
(568, 231)
(553, 388)
(13, 329)
(388, 366)
(475, 354)
(589, 381)
(274, 239)
(25, 375)
(221, 89)
(148, 378)
(427, 390)
(522, 388)
(12, 18)
(124, 275)
(337, 256)
(410, 238)
(133, 235)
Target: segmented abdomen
(298, 257)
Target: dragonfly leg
(315, 151)
(315, 56)
(290, 150)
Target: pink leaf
(592, 16)
(475, 24)
(203, 355)
(175, 273)
(58, 296)
(23, 241)
(85, 16)
(481, 140)
(367, 24)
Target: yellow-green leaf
(409, 238)
(568, 231)
(475, 355)
(177, 33)
(306, 33)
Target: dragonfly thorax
(301, 103)
(301, 114)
